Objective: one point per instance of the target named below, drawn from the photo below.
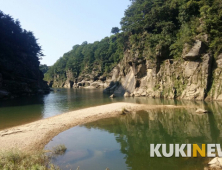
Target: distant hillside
(166, 48)
(19, 60)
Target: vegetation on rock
(100, 56)
(154, 29)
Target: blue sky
(59, 25)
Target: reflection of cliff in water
(135, 133)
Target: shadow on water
(23, 101)
(19, 111)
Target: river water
(28, 109)
(122, 142)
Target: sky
(60, 24)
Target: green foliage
(169, 24)
(44, 68)
(115, 30)
(15, 40)
(154, 29)
(19, 54)
(84, 58)
(211, 12)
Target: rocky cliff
(194, 76)
(169, 49)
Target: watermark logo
(185, 150)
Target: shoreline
(34, 136)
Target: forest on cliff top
(152, 29)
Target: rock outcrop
(193, 76)
(215, 164)
(215, 92)
(198, 49)
(189, 77)
(94, 80)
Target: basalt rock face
(20, 77)
(194, 76)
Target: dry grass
(17, 160)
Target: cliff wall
(194, 76)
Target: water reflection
(19, 111)
(27, 109)
(133, 135)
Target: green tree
(115, 30)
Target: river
(28, 109)
(122, 142)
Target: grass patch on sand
(59, 150)
(18, 160)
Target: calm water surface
(124, 142)
(28, 109)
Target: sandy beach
(34, 136)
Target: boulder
(213, 161)
(127, 94)
(95, 84)
(112, 96)
(220, 161)
(194, 54)
(132, 95)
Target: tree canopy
(101, 55)
(153, 29)
(169, 24)
(14, 39)
(115, 30)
